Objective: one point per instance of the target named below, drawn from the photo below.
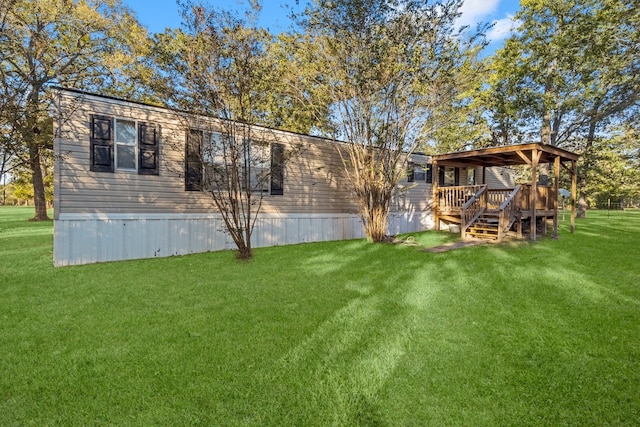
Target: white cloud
(502, 28)
(474, 10)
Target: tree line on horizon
(385, 76)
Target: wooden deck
(492, 214)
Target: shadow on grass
(338, 333)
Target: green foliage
(220, 65)
(336, 333)
(254, 66)
(394, 67)
(298, 100)
(85, 44)
(567, 77)
(458, 122)
(569, 65)
(20, 188)
(615, 175)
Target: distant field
(339, 333)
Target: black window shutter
(193, 161)
(429, 174)
(456, 175)
(440, 175)
(101, 144)
(277, 169)
(410, 172)
(148, 149)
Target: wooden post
(533, 197)
(435, 203)
(556, 187)
(574, 187)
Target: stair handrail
(507, 212)
(472, 209)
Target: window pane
(277, 169)
(429, 174)
(449, 176)
(125, 132)
(471, 176)
(125, 144)
(125, 156)
(213, 151)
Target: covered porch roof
(507, 155)
(532, 154)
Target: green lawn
(340, 333)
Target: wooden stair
(486, 226)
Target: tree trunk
(30, 134)
(244, 251)
(39, 198)
(545, 131)
(582, 175)
(375, 226)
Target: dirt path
(455, 245)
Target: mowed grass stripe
(337, 333)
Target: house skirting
(90, 238)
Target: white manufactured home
(123, 187)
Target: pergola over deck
(511, 155)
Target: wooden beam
(451, 218)
(567, 168)
(523, 157)
(533, 197)
(435, 177)
(507, 151)
(556, 187)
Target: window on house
(122, 144)
(126, 145)
(255, 170)
(193, 173)
(448, 176)
(419, 173)
(211, 160)
(471, 176)
(277, 169)
(214, 169)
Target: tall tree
(82, 43)
(218, 66)
(387, 65)
(615, 176)
(298, 102)
(573, 68)
(504, 98)
(458, 121)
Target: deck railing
(452, 198)
(495, 198)
(546, 196)
(472, 209)
(508, 211)
(469, 202)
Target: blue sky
(156, 15)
